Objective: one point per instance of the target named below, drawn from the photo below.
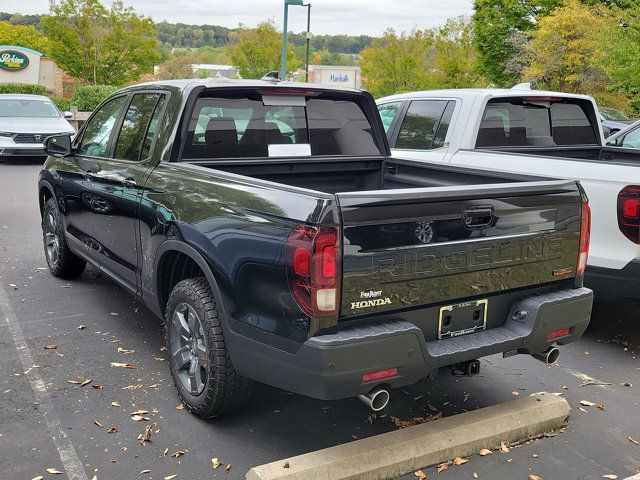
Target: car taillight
(585, 233)
(629, 212)
(314, 276)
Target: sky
(352, 17)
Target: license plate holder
(462, 318)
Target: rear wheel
(61, 261)
(199, 359)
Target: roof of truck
(483, 92)
(229, 82)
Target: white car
(532, 132)
(25, 122)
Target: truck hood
(35, 125)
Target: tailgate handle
(478, 217)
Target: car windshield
(614, 115)
(19, 107)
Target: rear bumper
(331, 366)
(624, 282)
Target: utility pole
(283, 62)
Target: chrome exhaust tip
(549, 356)
(376, 399)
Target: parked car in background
(266, 223)
(626, 138)
(537, 133)
(26, 121)
(613, 120)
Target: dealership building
(23, 65)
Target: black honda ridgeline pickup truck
(266, 223)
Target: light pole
(283, 62)
(306, 64)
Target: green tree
(24, 36)
(100, 46)
(454, 60)
(177, 67)
(257, 51)
(396, 63)
(500, 27)
(566, 49)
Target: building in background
(208, 70)
(23, 65)
(334, 75)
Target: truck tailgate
(407, 248)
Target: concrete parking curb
(403, 451)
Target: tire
(198, 356)
(62, 262)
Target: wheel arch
(177, 261)
(45, 192)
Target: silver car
(25, 122)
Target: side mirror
(58, 145)
(67, 114)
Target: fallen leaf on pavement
(582, 410)
(600, 406)
(633, 440)
(484, 452)
(97, 386)
(178, 454)
(587, 403)
(475, 475)
(139, 418)
(122, 365)
(50, 347)
(215, 463)
(81, 327)
(459, 461)
(115, 314)
(146, 470)
(534, 477)
(39, 477)
(180, 406)
(132, 387)
(97, 423)
(228, 467)
(53, 471)
(627, 384)
(442, 467)
(139, 412)
(125, 350)
(515, 393)
(610, 476)
(115, 404)
(420, 474)
(112, 430)
(170, 477)
(145, 436)
(504, 448)
(535, 455)
(85, 382)
(74, 382)
(166, 450)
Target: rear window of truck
(536, 122)
(255, 125)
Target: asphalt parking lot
(53, 333)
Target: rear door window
(536, 122)
(420, 129)
(632, 139)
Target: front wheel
(62, 262)
(199, 359)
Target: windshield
(614, 115)
(28, 108)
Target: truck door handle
(478, 217)
(129, 183)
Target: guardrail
(78, 116)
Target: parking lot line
(68, 456)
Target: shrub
(23, 88)
(88, 97)
(62, 103)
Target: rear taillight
(629, 212)
(585, 233)
(314, 275)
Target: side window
(443, 128)
(388, 112)
(153, 128)
(95, 139)
(134, 126)
(420, 124)
(632, 139)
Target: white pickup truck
(539, 133)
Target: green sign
(13, 60)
